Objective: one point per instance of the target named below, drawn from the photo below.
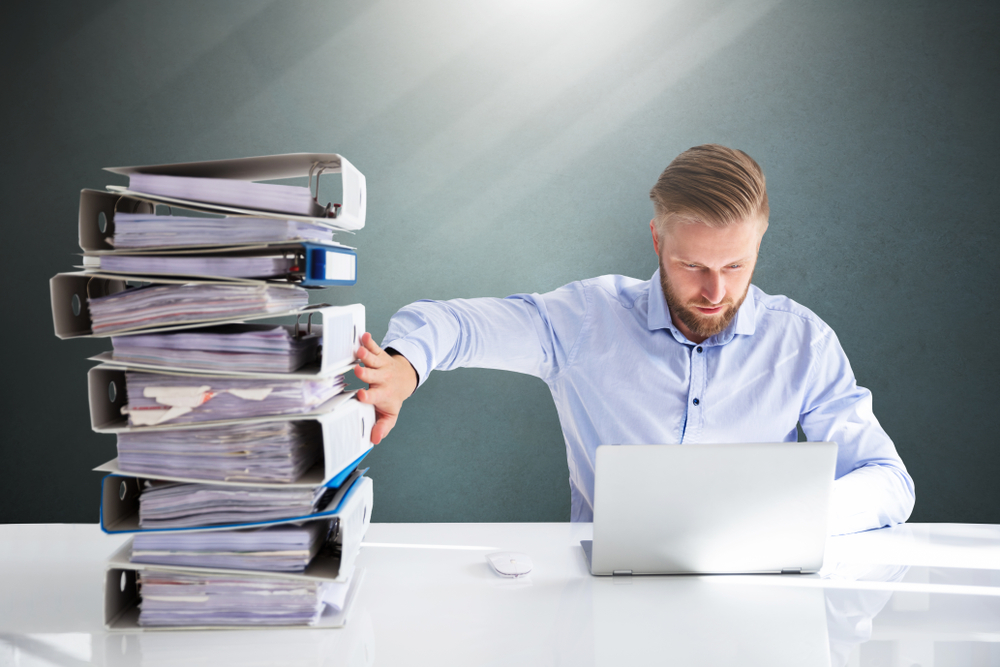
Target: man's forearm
(869, 497)
(510, 334)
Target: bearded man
(696, 354)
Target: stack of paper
(145, 230)
(277, 549)
(177, 505)
(156, 398)
(164, 305)
(293, 199)
(236, 347)
(239, 266)
(255, 452)
(230, 425)
(186, 599)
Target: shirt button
(698, 349)
(696, 401)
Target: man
(696, 354)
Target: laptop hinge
(621, 572)
(791, 570)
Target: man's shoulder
(786, 311)
(600, 294)
(621, 290)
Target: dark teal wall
(509, 146)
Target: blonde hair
(712, 185)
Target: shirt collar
(658, 316)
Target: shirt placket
(696, 394)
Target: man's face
(705, 273)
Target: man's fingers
(382, 427)
(383, 379)
(370, 353)
(367, 374)
(371, 396)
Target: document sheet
(176, 599)
(294, 199)
(255, 452)
(237, 347)
(182, 505)
(155, 398)
(276, 549)
(246, 266)
(144, 230)
(164, 305)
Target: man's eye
(735, 266)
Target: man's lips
(710, 310)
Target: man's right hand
(391, 380)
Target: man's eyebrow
(682, 260)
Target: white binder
(349, 215)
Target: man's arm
(872, 487)
(524, 333)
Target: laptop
(711, 509)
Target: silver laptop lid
(730, 508)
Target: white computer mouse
(510, 563)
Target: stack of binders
(238, 447)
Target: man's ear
(656, 237)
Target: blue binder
(119, 511)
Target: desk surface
(918, 594)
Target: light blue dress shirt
(621, 373)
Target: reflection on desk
(925, 595)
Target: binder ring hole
(112, 391)
(123, 582)
(77, 305)
(102, 222)
(122, 491)
(124, 639)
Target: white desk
(932, 599)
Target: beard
(698, 324)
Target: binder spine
(355, 517)
(343, 327)
(96, 221)
(70, 293)
(328, 266)
(346, 436)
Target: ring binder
(339, 340)
(348, 216)
(121, 515)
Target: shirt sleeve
(872, 488)
(534, 334)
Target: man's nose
(714, 288)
